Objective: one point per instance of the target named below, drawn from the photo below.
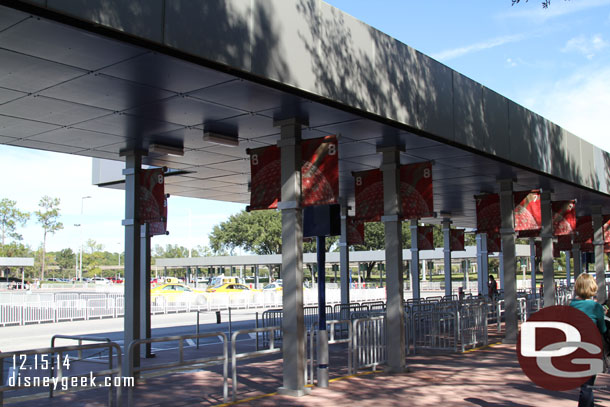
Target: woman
(585, 288)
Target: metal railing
(369, 342)
(181, 362)
(335, 336)
(248, 355)
(57, 371)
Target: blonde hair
(585, 286)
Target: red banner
(456, 240)
(319, 174)
(355, 231)
(564, 217)
(265, 172)
(153, 202)
(369, 195)
(416, 194)
(527, 210)
(584, 231)
(494, 241)
(320, 171)
(564, 242)
(488, 212)
(425, 238)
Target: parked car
(101, 280)
(275, 286)
(229, 288)
(176, 292)
(116, 280)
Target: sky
(554, 61)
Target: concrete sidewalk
(488, 377)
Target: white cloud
(479, 46)
(579, 103)
(588, 47)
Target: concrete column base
(394, 370)
(282, 391)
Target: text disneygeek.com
(64, 383)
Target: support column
(568, 269)
(533, 263)
(501, 267)
(546, 234)
(395, 323)
(482, 264)
(145, 328)
(131, 324)
(507, 230)
(577, 260)
(414, 260)
(447, 255)
(598, 244)
(256, 284)
(293, 323)
(344, 254)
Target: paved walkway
(488, 377)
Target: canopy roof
(97, 77)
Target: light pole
(76, 257)
(82, 201)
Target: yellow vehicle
(176, 292)
(229, 288)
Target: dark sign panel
(425, 238)
(488, 212)
(153, 202)
(369, 195)
(355, 231)
(494, 241)
(265, 172)
(416, 193)
(320, 171)
(456, 240)
(584, 230)
(527, 210)
(564, 217)
(564, 242)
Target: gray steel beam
(577, 260)
(533, 263)
(598, 244)
(507, 230)
(344, 254)
(548, 277)
(568, 269)
(145, 327)
(447, 254)
(395, 328)
(414, 260)
(293, 326)
(482, 263)
(132, 171)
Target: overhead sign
(265, 173)
(425, 238)
(319, 174)
(488, 212)
(416, 193)
(153, 201)
(320, 171)
(527, 210)
(355, 231)
(494, 241)
(369, 195)
(456, 240)
(564, 217)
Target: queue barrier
(57, 371)
(248, 355)
(181, 362)
(335, 336)
(368, 342)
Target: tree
(65, 259)
(171, 251)
(92, 246)
(48, 217)
(259, 232)
(545, 3)
(10, 217)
